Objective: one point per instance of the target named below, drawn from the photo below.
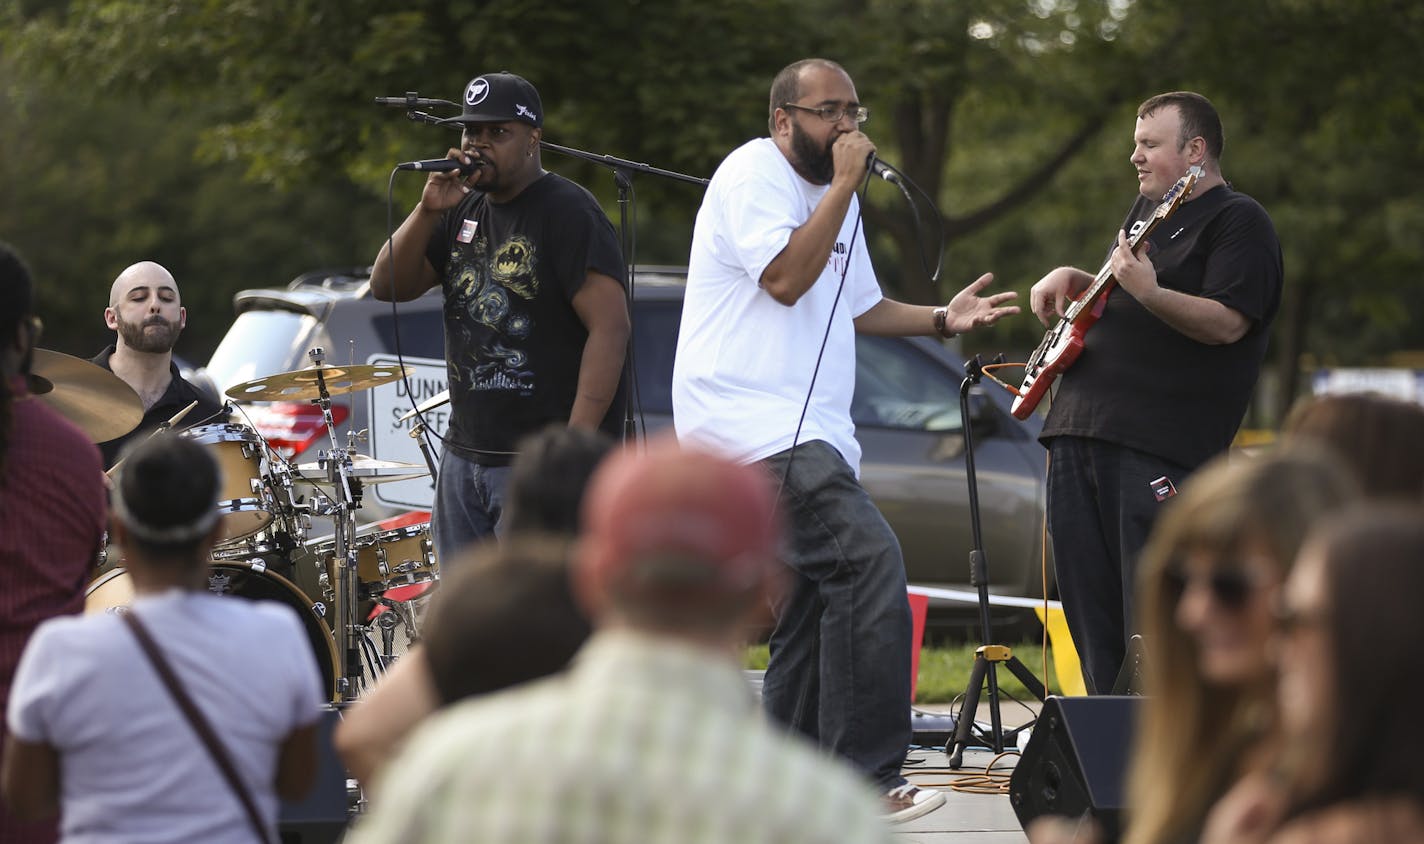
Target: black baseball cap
(497, 97)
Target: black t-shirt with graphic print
(1142, 384)
(513, 342)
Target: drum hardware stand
(417, 433)
(339, 474)
(988, 657)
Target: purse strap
(199, 723)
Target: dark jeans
(840, 653)
(1101, 507)
(469, 504)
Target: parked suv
(906, 409)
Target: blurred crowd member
(1380, 438)
(97, 736)
(1350, 630)
(653, 734)
(521, 596)
(503, 617)
(147, 315)
(536, 312)
(1211, 574)
(52, 504)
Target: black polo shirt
(179, 395)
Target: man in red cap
(536, 316)
(653, 734)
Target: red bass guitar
(1064, 342)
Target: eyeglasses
(834, 114)
(1229, 587)
(1291, 620)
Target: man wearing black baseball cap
(536, 318)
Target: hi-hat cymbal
(93, 398)
(305, 384)
(368, 469)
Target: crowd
(580, 674)
(1278, 610)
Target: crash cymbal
(368, 469)
(93, 398)
(442, 397)
(303, 384)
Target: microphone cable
(395, 316)
(825, 337)
(900, 181)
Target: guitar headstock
(1178, 193)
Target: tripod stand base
(986, 661)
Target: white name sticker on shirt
(467, 231)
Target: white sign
(1404, 384)
(390, 437)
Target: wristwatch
(941, 314)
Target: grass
(944, 671)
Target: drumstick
(156, 431)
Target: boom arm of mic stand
(622, 170)
(622, 163)
(423, 117)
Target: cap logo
(523, 111)
(477, 90)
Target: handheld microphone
(412, 101)
(881, 169)
(442, 165)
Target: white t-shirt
(744, 361)
(131, 767)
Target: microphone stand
(623, 171)
(988, 656)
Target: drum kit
(375, 581)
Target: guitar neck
(1102, 282)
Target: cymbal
(368, 469)
(303, 384)
(93, 398)
(442, 397)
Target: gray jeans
(469, 505)
(840, 653)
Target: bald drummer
(146, 313)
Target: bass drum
(114, 592)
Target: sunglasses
(1230, 588)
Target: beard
(815, 164)
(138, 337)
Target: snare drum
(245, 502)
(114, 592)
(386, 558)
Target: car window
(655, 326)
(422, 332)
(899, 386)
(261, 343)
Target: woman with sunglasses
(1210, 575)
(1348, 653)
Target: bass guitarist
(1165, 374)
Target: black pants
(1101, 507)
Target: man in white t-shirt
(778, 264)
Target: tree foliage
(239, 137)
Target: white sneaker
(909, 801)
